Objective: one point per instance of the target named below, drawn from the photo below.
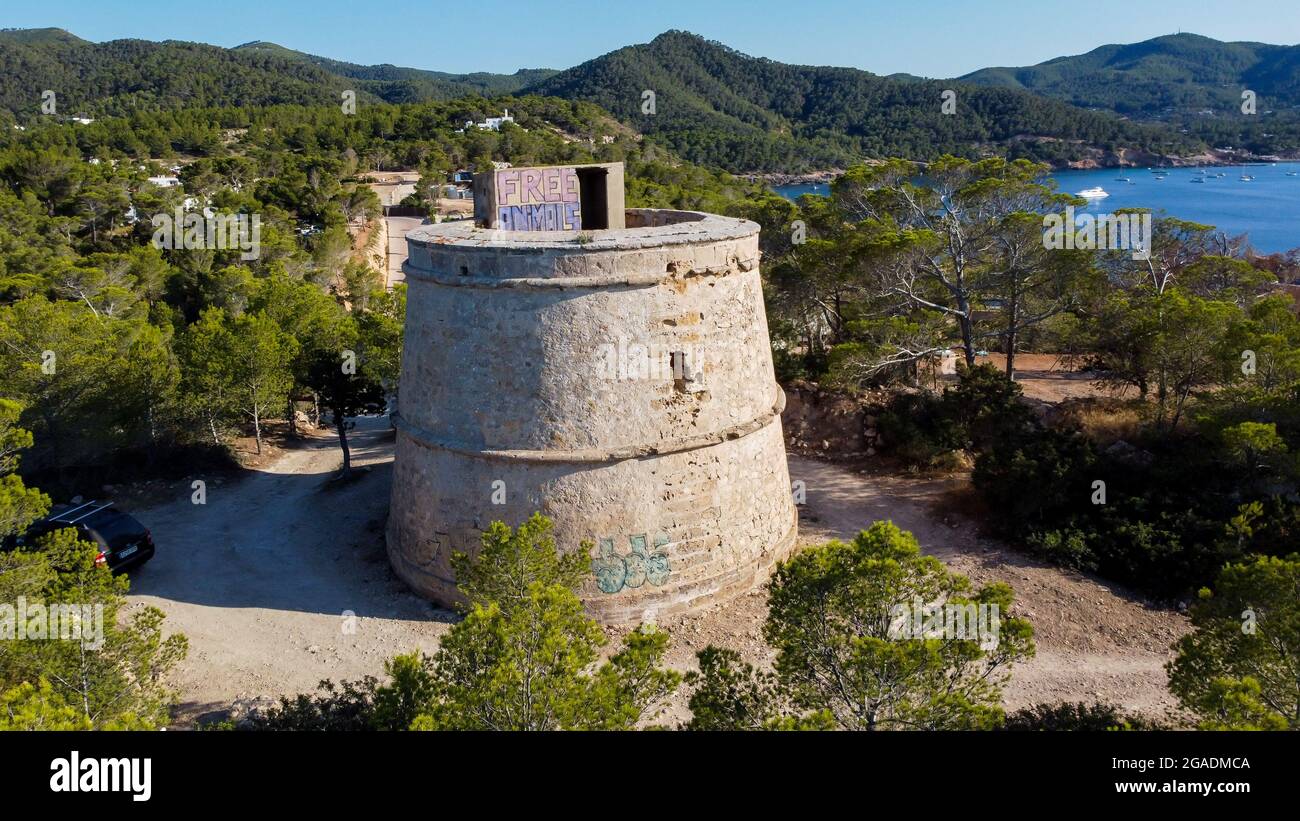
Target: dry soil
(280, 580)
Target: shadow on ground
(289, 537)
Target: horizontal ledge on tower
(432, 441)
(544, 283)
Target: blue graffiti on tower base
(615, 572)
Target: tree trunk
(1162, 399)
(293, 422)
(967, 335)
(1013, 333)
(1178, 408)
(212, 426)
(341, 423)
(257, 430)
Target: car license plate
(122, 554)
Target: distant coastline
(1122, 160)
(776, 179)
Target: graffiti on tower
(538, 199)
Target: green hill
(125, 75)
(716, 106)
(712, 104)
(36, 36)
(120, 76)
(1164, 76)
(396, 84)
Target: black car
(123, 541)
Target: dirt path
(395, 230)
(261, 576)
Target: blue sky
(927, 37)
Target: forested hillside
(1178, 72)
(717, 106)
(122, 76)
(712, 105)
(1191, 83)
(396, 84)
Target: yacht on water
(1092, 193)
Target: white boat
(1092, 193)
(1291, 173)
(1122, 179)
(1246, 178)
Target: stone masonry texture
(620, 382)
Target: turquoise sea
(1266, 208)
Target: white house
(494, 123)
(490, 124)
(165, 182)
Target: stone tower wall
(620, 382)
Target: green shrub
(1073, 717)
(983, 410)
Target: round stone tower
(618, 381)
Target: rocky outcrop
(831, 425)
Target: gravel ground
(280, 580)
